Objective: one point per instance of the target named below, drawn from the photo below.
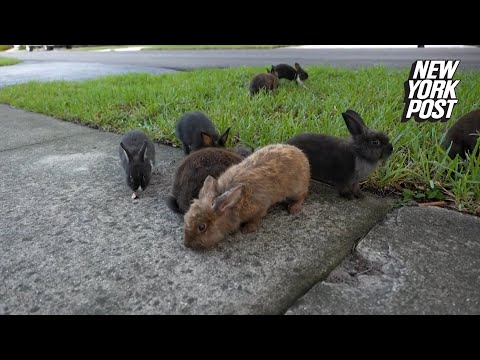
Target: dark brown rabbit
(463, 135)
(193, 170)
(267, 82)
(244, 193)
(345, 163)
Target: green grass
(8, 61)
(5, 47)
(154, 103)
(101, 47)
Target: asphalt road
(30, 70)
(185, 60)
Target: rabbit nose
(186, 239)
(190, 243)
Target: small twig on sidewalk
(436, 203)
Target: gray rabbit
(345, 163)
(196, 131)
(137, 156)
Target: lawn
(8, 61)
(101, 47)
(418, 169)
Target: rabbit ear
(209, 188)
(297, 66)
(354, 122)
(223, 138)
(207, 140)
(228, 199)
(127, 154)
(142, 151)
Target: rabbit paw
(359, 195)
(357, 192)
(295, 207)
(250, 227)
(347, 194)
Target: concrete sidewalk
(73, 242)
(418, 261)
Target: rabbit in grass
(267, 82)
(463, 135)
(196, 131)
(344, 163)
(288, 72)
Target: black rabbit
(285, 71)
(463, 135)
(137, 156)
(196, 131)
(341, 162)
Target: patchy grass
(101, 47)
(8, 61)
(178, 47)
(154, 103)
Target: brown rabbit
(193, 170)
(244, 193)
(268, 82)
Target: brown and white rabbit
(244, 193)
(463, 135)
(267, 81)
(137, 156)
(196, 131)
(193, 170)
(345, 163)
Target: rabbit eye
(375, 142)
(202, 227)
